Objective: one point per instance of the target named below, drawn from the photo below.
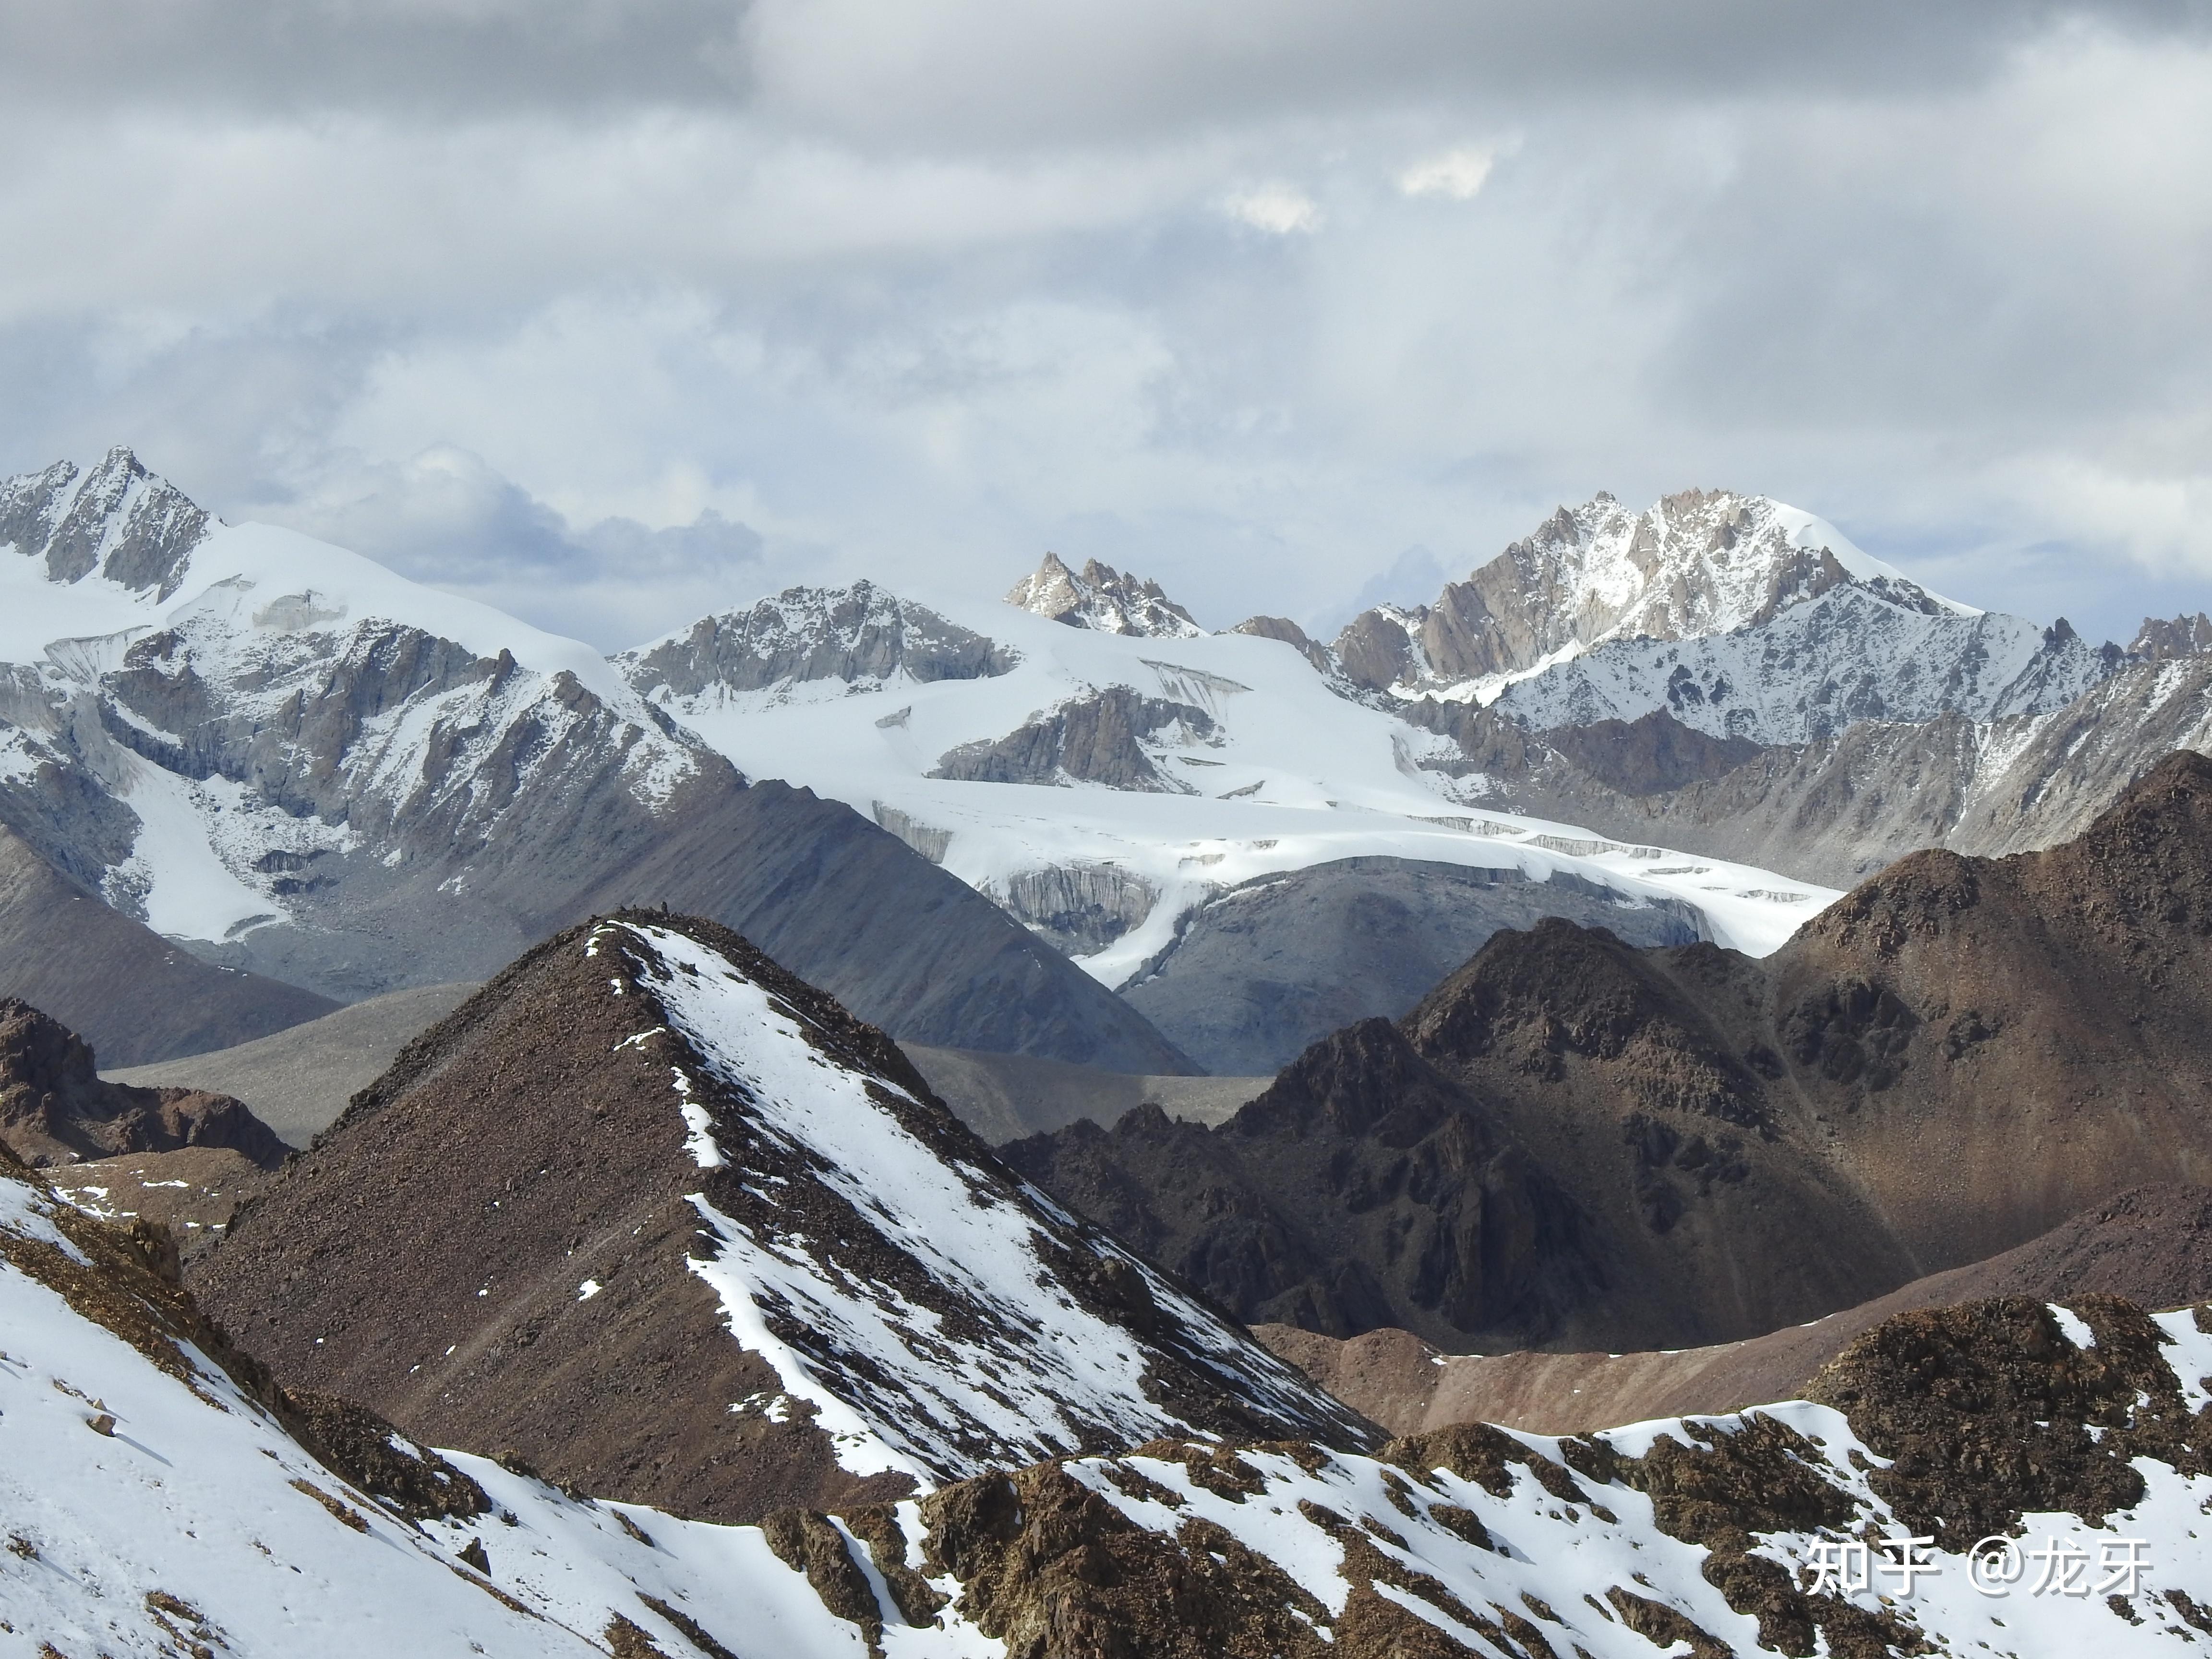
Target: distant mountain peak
(1103, 598)
(2161, 640)
(1695, 563)
(131, 526)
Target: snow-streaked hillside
(955, 1342)
(741, 1256)
(154, 1506)
(1147, 772)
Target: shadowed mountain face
(1254, 975)
(1951, 1060)
(55, 1107)
(2152, 1245)
(673, 1223)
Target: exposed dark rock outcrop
(1988, 1410)
(1099, 738)
(55, 1109)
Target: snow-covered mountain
(1102, 784)
(241, 713)
(299, 762)
(1104, 599)
(161, 1496)
(1703, 561)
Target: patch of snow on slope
(182, 886)
(1028, 1375)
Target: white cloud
(1457, 174)
(1279, 209)
(917, 290)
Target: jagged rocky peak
(1102, 597)
(134, 528)
(2161, 640)
(1699, 562)
(56, 1109)
(737, 1240)
(863, 635)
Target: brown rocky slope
(673, 1224)
(2152, 1245)
(56, 1109)
(1952, 1059)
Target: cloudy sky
(614, 313)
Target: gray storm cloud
(611, 312)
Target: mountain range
(1691, 972)
(1571, 1143)
(297, 765)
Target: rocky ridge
(1102, 597)
(2152, 1245)
(687, 1202)
(1817, 669)
(1697, 563)
(1840, 807)
(861, 635)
